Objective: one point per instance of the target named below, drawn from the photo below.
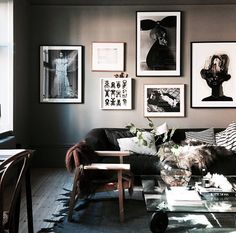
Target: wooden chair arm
(107, 166)
(119, 154)
(113, 153)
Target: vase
(174, 176)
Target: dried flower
(121, 75)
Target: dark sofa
(106, 139)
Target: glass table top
(183, 199)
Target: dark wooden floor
(47, 185)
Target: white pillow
(161, 129)
(227, 138)
(133, 144)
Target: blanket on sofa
(192, 153)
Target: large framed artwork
(213, 75)
(158, 43)
(61, 74)
(108, 56)
(164, 100)
(116, 93)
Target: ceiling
(132, 2)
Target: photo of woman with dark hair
(215, 74)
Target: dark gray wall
(56, 126)
(21, 72)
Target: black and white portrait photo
(213, 77)
(215, 73)
(158, 44)
(163, 100)
(61, 73)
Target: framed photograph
(158, 44)
(116, 93)
(61, 74)
(213, 75)
(164, 100)
(107, 56)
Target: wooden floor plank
(47, 187)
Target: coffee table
(154, 190)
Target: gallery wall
(56, 126)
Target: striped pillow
(206, 136)
(227, 138)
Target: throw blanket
(80, 153)
(88, 180)
(192, 153)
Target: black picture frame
(158, 41)
(61, 70)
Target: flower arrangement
(190, 153)
(158, 132)
(121, 75)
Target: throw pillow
(206, 136)
(227, 138)
(161, 129)
(133, 144)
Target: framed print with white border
(116, 93)
(61, 74)
(158, 43)
(164, 100)
(107, 56)
(213, 74)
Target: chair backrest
(12, 177)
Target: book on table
(215, 192)
(179, 196)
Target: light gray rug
(101, 215)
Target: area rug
(101, 215)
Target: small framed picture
(61, 74)
(107, 56)
(213, 75)
(164, 100)
(116, 93)
(158, 43)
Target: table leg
(29, 201)
(121, 196)
(159, 222)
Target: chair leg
(74, 193)
(121, 196)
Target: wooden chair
(11, 178)
(124, 178)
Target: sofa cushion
(206, 136)
(133, 144)
(114, 134)
(227, 138)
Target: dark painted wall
(22, 92)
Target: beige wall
(56, 124)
